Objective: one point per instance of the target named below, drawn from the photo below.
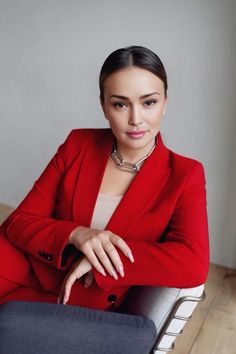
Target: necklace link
(127, 166)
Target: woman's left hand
(80, 268)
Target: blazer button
(49, 257)
(112, 298)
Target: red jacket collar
(148, 182)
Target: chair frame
(172, 316)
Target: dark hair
(132, 56)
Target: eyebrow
(144, 96)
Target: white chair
(168, 308)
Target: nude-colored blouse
(103, 210)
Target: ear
(164, 109)
(103, 108)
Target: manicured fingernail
(130, 256)
(121, 271)
(113, 273)
(102, 271)
(65, 300)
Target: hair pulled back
(132, 56)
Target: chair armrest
(157, 302)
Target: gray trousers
(43, 328)
(36, 327)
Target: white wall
(51, 54)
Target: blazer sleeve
(182, 258)
(33, 228)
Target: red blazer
(162, 217)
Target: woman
(114, 207)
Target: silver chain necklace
(127, 166)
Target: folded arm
(181, 259)
(33, 227)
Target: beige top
(103, 210)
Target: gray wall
(51, 54)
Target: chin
(139, 143)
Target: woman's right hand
(99, 246)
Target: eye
(149, 103)
(119, 105)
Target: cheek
(154, 118)
(114, 122)
(116, 119)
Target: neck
(134, 155)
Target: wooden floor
(212, 329)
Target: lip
(136, 134)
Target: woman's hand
(99, 246)
(80, 268)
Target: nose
(135, 117)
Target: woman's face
(134, 103)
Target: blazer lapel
(90, 176)
(142, 191)
(144, 188)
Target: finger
(68, 285)
(122, 245)
(106, 262)
(59, 299)
(89, 253)
(61, 295)
(114, 257)
(88, 279)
